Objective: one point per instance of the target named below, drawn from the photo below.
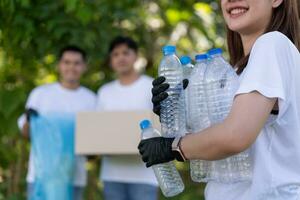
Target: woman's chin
(234, 27)
(237, 28)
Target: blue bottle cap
(145, 124)
(215, 51)
(169, 49)
(185, 60)
(201, 57)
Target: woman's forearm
(240, 129)
(213, 143)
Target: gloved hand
(156, 150)
(30, 112)
(159, 92)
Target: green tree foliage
(33, 31)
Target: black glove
(30, 112)
(156, 150)
(159, 92)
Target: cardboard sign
(110, 133)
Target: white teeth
(237, 11)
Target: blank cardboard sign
(110, 133)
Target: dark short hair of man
(119, 40)
(72, 48)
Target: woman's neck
(248, 41)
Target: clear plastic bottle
(198, 114)
(221, 83)
(172, 109)
(187, 67)
(166, 174)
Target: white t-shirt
(55, 98)
(274, 71)
(116, 97)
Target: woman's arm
(248, 115)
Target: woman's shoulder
(273, 45)
(274, 35)
(274, 40)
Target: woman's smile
(235, 10)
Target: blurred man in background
(126, 177)
(65, 96)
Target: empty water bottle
(221, 83)
(172, 109)
(187, 67)
(166, 174)
(198, 114)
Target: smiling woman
(283, 18)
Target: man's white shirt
(134, 97)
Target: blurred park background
(33, 31)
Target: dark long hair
(285, 19)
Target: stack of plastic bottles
(198, 114)
(221, 83)
(213, 84)
(206, 101)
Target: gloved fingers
(145, 158)
(159, 80)
(141, 151)
(160, 88)
(141, 145)
(185, 83)
(156, 150)
(156, 109)
(152, 162)
(149, 164)
(144, 143)
(159, 98)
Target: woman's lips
(235, 12)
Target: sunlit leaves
(174, 16)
